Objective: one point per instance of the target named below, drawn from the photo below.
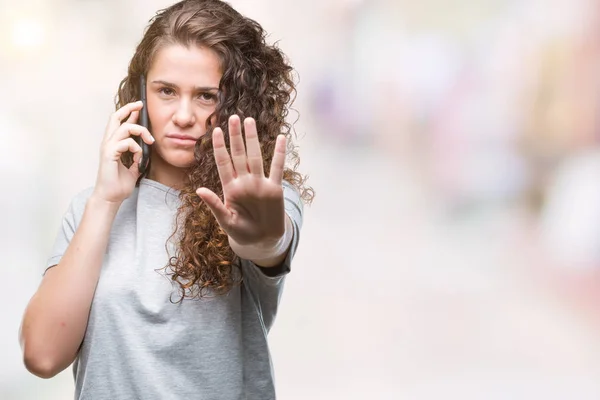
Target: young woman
(164, 285)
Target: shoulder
(290, 192)
(293, 200)
(82, 197)
(79, 200)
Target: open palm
(253, 208)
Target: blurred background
(453, 248)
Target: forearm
(55, 320)
(269, 254)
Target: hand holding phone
(115, 181)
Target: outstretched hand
(252, 212)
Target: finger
(118, 116)
(278, 162)
(221, 213)
(133, 117)
(255, 160)
(127, 129)
(135, 167)
(222, 159)
(236, 142)
(128, 145)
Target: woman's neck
(168, 175)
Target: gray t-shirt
(141, 345)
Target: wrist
(99, 204)
(265, 250)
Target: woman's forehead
(186, 66)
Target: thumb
(134, 168)
(215, 204)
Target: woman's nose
(184, 115)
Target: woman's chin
(179, 163)
(178, 159)
(184, 163)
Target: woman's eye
(166, 91)
(208, 97)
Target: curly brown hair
(257, 82)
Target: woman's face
(182, 86)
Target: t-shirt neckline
(159, 186)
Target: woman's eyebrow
(197, 88)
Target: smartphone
(143, 121)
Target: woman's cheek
(159, 123)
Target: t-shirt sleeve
(70, 222)
(273, 275)
(265, 285)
